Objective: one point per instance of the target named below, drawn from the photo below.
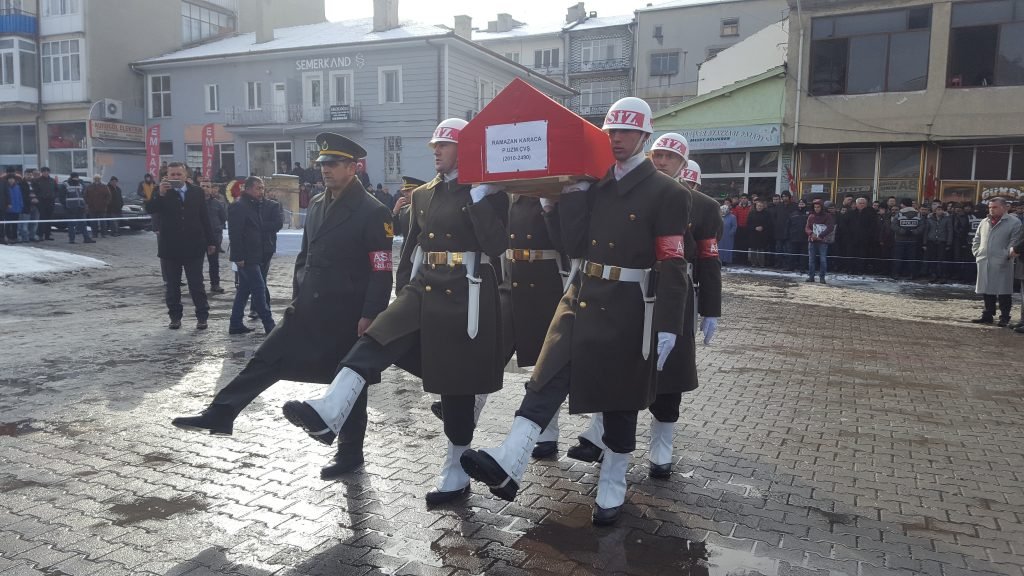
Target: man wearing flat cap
(342, 280)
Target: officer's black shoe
(435, 498)
(436, 409)
(482, 468)
(348, 459)
(216, 419)
(660, 471)
(585, 451)
(1003, 322)
(545, 449)
(982, 320)
(304, 416)
(605, 516)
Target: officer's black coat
(598, 325)
(702, 236)
(339, 278)
(531, 293)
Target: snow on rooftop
(603, 21)
(307, 36)
(554, 28)
(23, 262)
(682, 4)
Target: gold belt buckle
(614, 272)
(435, 258)
(454, 258)
(593, 269)
(520, 254)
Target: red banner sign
(208, 148)
(153, 151)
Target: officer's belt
(528, 255)
(615, 273)
(642, 277)
(469, 260)
(453, 258)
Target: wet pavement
(862, 428)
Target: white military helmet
(448, 131)
(672, 142)
(692, 172)
(630, 113)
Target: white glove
(547, 204)
(580, 186)
(478, 193)
(666, 342)
(708, 326)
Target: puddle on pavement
(833, 517)
(157, 458)
(150, 508)
(18, 428)
(11, 483)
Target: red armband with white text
(707, 248)
(668, 247)
(380, 261)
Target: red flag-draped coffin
(529, 142)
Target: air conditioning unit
(112, 109)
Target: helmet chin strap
(638, 149)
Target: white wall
(759, 53)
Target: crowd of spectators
(903, 239)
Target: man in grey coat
(993, 251)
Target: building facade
(68, 98)
(674, 38)
(908, 98)
(387, 89)
(592, 54)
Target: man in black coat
(46, 192)
(342, 281)
(247, 238)
(185, 238)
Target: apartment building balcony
(275, 114)
(610, 65)
(18, 22)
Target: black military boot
(217, 419)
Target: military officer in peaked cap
(444, 324)
(342, 281)
(607, 338)
(670, 155)
(401, 211)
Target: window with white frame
(66, 142)
(199, 23)
(159, 96)
(60, 7)
(393, 159)
(599, 93)
(545, 58)
(341, 88)
(485, 92)
(194, 156)
(10, 6)
(29, 64)
(61, 61)
(211, 93)
(389, 84)
(513, 56)
(226, 159)
(730, 27)
(253, 95)
(7, 62)
(601, 51)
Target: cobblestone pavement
(837, 430)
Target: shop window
(10, 139)
(956, 164)
(818, 164)
(857, 164)
(764, 161)
(734, 163)
(992, 163)
(986, 45)
(66, 142)
(1017, 169)
(900, 162)
(194, 156)
(722, 187)
(873, 52)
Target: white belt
(453, 259)
(528, 255)
(641, 276)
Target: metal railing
(291, 113)
(13, 21)
(599, 65)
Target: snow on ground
(24, 262)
